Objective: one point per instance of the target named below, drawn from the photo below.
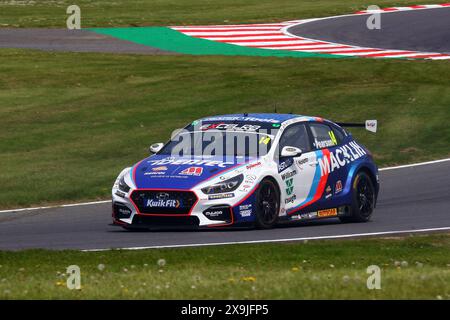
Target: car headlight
(123, 185)
(224, 186)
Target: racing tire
(267, 204)
(363, 199)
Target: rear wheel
(363, 199)
(267, 204)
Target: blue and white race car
(245, 170)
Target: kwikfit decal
(162, 203)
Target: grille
(164, 202)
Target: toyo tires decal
(273, 36)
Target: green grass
(108, 13)
(411, 268)
(70, 121)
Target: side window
(339, 134)
(295, 136)
(323, 136)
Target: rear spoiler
(370, 125)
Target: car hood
(165, 172)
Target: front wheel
(267, 204)
(363, 199)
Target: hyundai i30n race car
(245, 170)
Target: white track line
(342, 236)
(415, 164)
(108, 201)
(57, 206)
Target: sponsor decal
(304, 216)
(342, 211)
(162, 168)
(264, 140)
(250, 119)
(290, 199)
(289, 149)
(333, 137)
(253, 165)
(230, 127)
(161, 203)
(327, 213)
(220, 196)
(160, 173)
(213, 213)
(323, 144)
(245, 210)
(301, 162)
(245, 187)
(250, 180)
(245, 213)
(338, 187)
(289, 174)
(328, 193)
(192, 171)
(341, 157)
(172, 161)
(217, 213)
(289, 186)
(124, 211)
(311, 215)
(120, 194)
(285, 164)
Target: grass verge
(114, 13)
(71, 121)
(411, 268)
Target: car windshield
(236, 139)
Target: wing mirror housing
(154, 148)
(291, 152)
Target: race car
(249, 170)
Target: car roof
(265, 117)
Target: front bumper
(129, 212)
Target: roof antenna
(245, 114)
(275, 109)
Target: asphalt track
(71, 41)
(426, 30)
(411, 198)
(417, 30)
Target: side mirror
(154, 148)
(291, 152)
